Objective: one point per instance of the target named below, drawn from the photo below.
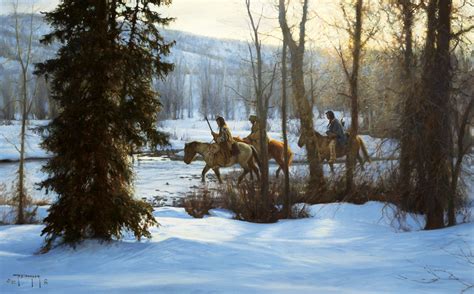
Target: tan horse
(322, 142)
(275, 150)
(246, 158)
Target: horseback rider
(254, 136)
(223, 139)
(335, 132)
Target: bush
(369, 185)
(246, 202)
(9, 211)
(199, 204)
(299, 211)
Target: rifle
(205, 117)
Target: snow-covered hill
(189, 47)
(217, 64)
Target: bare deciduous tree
(23, 56)
(263, 91)
(284, 117)
(305, 113)
(356, 44)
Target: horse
(322, 143)
(246, 158)
(275, 151)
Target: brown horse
(322, 142)
(246, 158)
(275, 150)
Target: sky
(228, 18)
(213, 18)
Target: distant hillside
(215, 64)
(189, 48)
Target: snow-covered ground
(342, 249)
(156, 178)
(10, 141)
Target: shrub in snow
(246, 202)
(199, 204)
(9, 207)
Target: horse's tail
(364, 149)
(256, 157)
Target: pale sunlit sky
(228, 18)
(214, 18)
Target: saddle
(224, 155)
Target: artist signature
(26, 280)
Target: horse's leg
(331, 165)
(253, 169)
(246, 171)
(258, 173)
(218, 174)
(280, 159)
(204, 171)
(250, 164)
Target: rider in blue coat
(335, 131)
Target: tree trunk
(316, 181)
(262, 107)
(408, 123)
(24, 60)
(21, 169)
(456, 170)
(354, 84)
(436, 186)
(286, 191)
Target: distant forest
(214, 77)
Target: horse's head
(189, 152)
(302, 140)
(305, 136)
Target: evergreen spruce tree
(101, 79)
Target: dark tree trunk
(303, 107)
(436, 119)
(284, 116)
(408, 116)
(354, 93)
(262, 107)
